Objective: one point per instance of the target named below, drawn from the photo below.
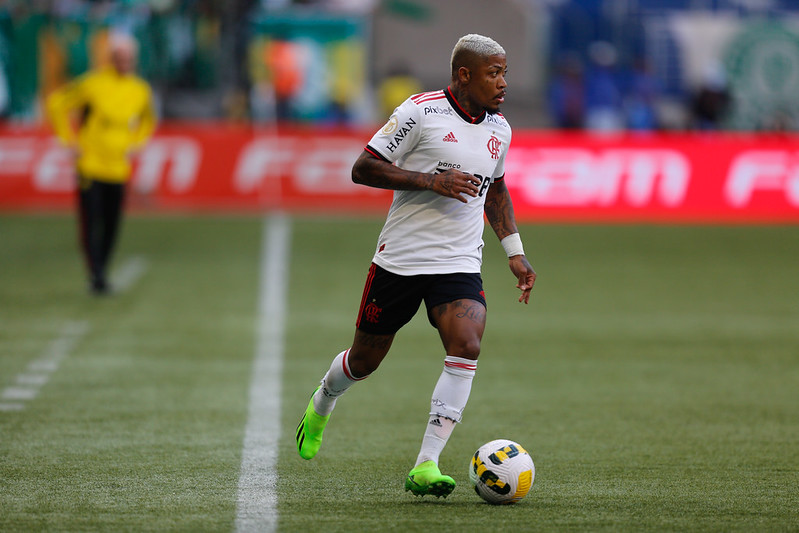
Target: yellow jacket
(116, 116)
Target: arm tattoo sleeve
(499, 210)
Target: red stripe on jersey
(417, 97)
(422, 95)
(464, 366)
(366, 289)
(427, 97)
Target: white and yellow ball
(502, 471)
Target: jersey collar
(460, 111)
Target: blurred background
(623, 110)
(574, 64)
(654, 171)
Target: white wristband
(513, 245)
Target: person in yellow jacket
(103, 116)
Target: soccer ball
(502, 472)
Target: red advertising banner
(551, 176)
(666, 177)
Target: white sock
(335, 383)
(449, 400)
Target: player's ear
(464, 74)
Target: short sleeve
(499, 170)
(400, 134)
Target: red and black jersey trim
(375, 153)
(460, 111)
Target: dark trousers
(100, 212)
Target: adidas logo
(450, 138)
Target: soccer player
(115, 116)
(443, 154)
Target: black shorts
(390, 301)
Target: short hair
(120, 40)
(473, 45)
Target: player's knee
(468, 348)
(367, 352)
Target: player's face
(124, 59)
(487, 89)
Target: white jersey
(426, 233)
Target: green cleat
(428, 479)
(309, 432)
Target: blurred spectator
(395, 88)
(285, 74)
(640, 100)
(711, 102)
(346, 76)
(20, 26)
(566, 95)
(205, 37)
(603, 92)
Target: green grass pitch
(654, 378)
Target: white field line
(39, 371)
(129, 272)
(257, 493)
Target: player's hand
(453, 183)
(524, 272)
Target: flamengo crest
(493, 146)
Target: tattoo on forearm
(394, 178)
(499, 211)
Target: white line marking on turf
(39, 370)
(19, 393)
(129, 272)
(43, 366)
(257, 495)
(32, 379)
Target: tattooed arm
(499, 211)
(374, 172)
